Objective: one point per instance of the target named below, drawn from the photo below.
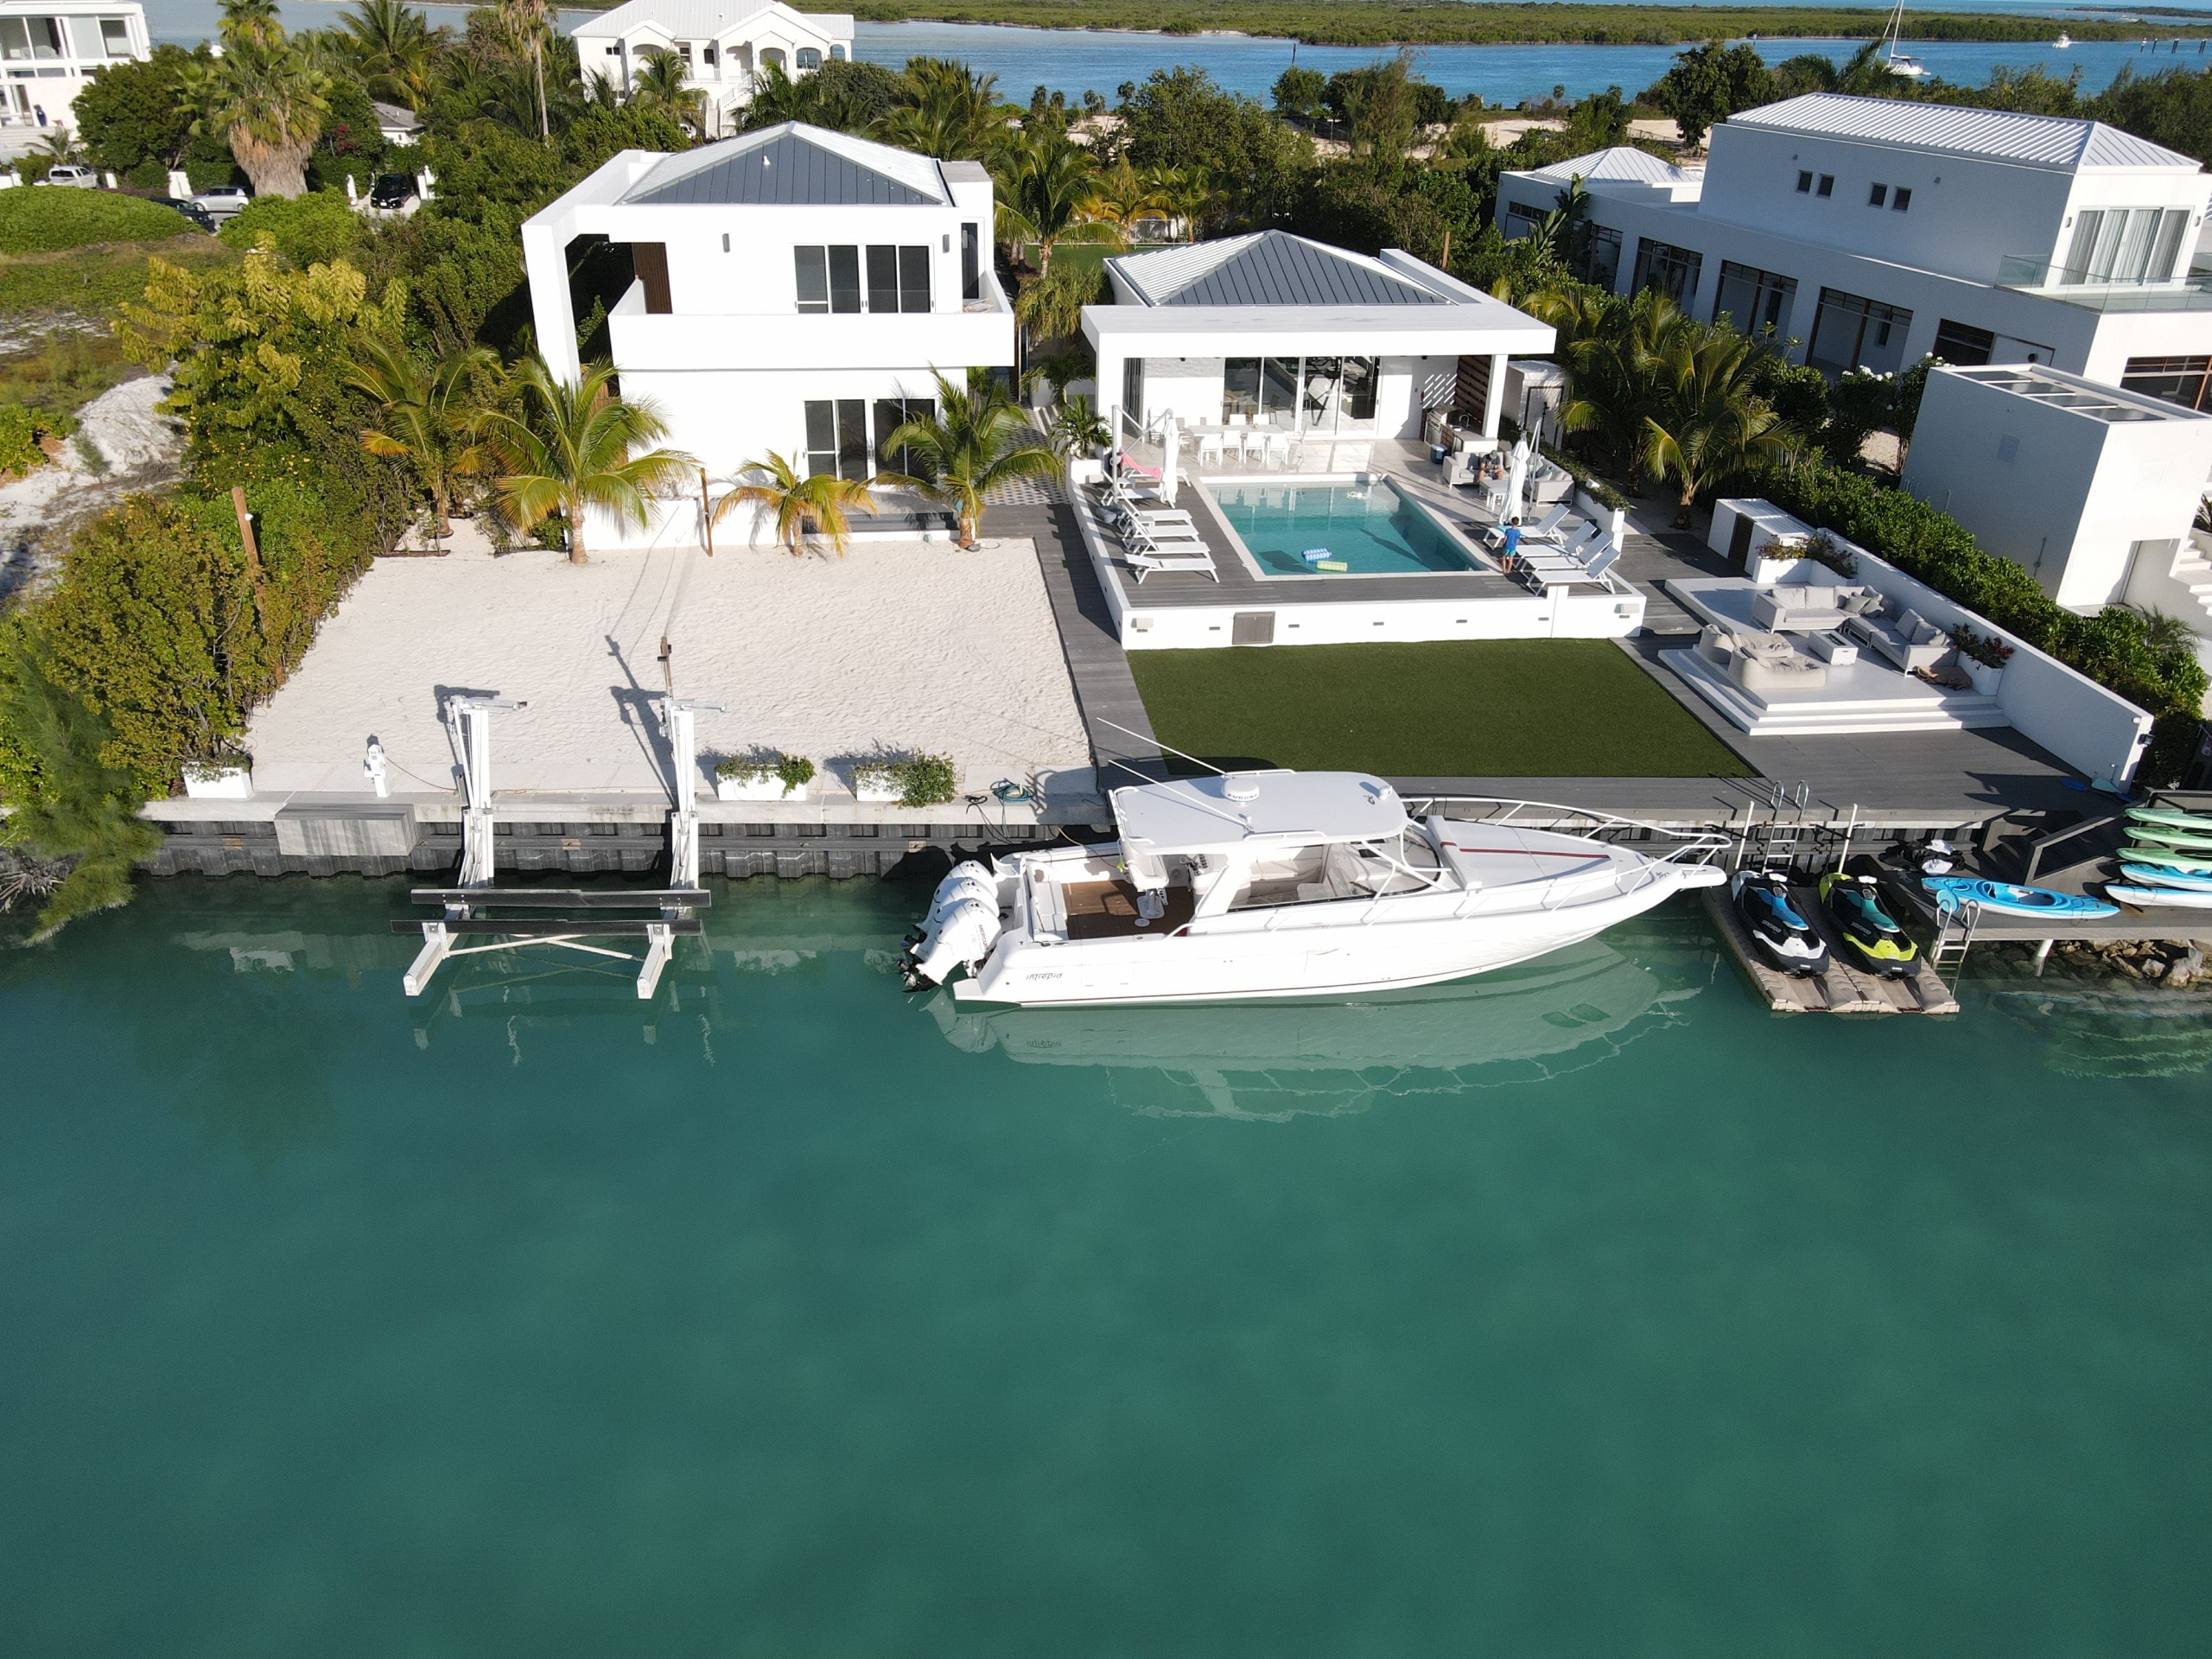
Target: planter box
(1985, 679)
(868, 787)
(218, 783)
(1613, 518)
(756, 789)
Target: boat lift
(463, 910)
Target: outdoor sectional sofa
(1791, 608)
(1909, 640)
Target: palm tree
(1079, 430)
(1046, 197)
(432, 417)
(660, 85)
(1610, 347)
(1186, 194)
(251, 23)
(1126, 195)
(573, 447)
(264, 98)
(527, 23)
(1707, 423)
(802, 506)
(952, 111)
(394, 49)
(978, 440)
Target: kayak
(2150, 875)
(2172, 817)
(2160, 897)
(2008, 900)
(2196, 863)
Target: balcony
(2076, 286)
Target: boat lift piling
(463, 908)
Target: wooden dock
(1842, 988)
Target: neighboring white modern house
(49, 52)
(725, 45)
(1273, 330)
(791, 290)
(1875, 231)
(2095, 491)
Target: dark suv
(392, 191)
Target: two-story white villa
(793, 290)
(1874, 231)
(49, 52)
(725, 45)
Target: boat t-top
(2063, 43)
(1277, 883)
(1897, 61)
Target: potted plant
(1823, 547)
(1982, 658)
(764, 775)
(907, 780)
(219, 778)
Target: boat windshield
(1344, 869)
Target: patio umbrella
(1517, 479)
(1170, 436)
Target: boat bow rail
(1655, 843)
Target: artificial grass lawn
(1449, 708)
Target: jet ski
(2008, 899)
(1868, 933)
(1778, 932)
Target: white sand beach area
(906, 647)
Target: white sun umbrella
(1517, 479)
(1170, 436)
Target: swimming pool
(1370, 528)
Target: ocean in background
(1074, 61)
(1582, 1308)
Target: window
(2008, 449)
(1900, 201)
(649, 261)
(1752, 299)
(836, 438)
(1519, 221)
(2183, 380)
(844, 279)
(882, 279)
(1132, 391)
(898, 278)
(914, 278)
(1827, 185)
(1671, 271)
(891, 413)
(1962, 344)
(1309, 394)
(1877, 195)
(971, 267)
(2120, 244)
(1853, 332)
(114, 37)
(1601, 262)
(707, 54)
(808, 59)
(813, 279)
(830, 279)
(1804, 184)
(772, 57)
(838, 53)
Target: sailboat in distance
(1898, 62)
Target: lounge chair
(1759, 662)
(1128, 519)
(1128, 467)
(1545, 527)
(1144, 562)
(1566, 573)
(1578, 551)
(1151, 539)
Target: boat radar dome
(1241, 786)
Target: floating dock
(1842, 988)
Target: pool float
(2009, 900)
(1869, 933)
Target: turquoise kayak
(2149, 876)
(2008, 900)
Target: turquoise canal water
(1586, 1309)
(1369, 528)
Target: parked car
(222, 200)
(75, 177)
(191, 210)
(392, 191)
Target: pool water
(1371, 528)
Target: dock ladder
(1955, 923)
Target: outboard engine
(960, 930)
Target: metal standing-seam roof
(1622, 162)
(2001, 135)
(1266, 268)
(785, 166)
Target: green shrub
(927, 781)
(2110, 648)
(148, 176)
(49, 219)
(313, 230)
(19, 436)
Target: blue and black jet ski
(1784, 937)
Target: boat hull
(1255, 963)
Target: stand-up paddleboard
(2168, 857)
(2189, 841)
(2149, 875)
(2006, 898)
(2159, 898)
(2172, 817)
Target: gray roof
(1267, 267)
(780, 166)
(2052, 141)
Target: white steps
(1923, 707)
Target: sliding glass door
(1302, 394)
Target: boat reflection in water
(1577, 1007)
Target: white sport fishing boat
(1259, 884)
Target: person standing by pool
(1512, 541)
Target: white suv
(68, 173)
(223, 200)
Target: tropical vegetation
(975, 440)
(798, 507)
